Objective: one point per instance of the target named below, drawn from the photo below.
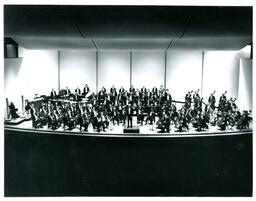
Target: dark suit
(86, 90)
(129, 112)
(78, 91)
(53, 94)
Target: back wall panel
(148, 69)
(183, 72)
(77, 68)
(114, 69)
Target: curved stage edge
(58, 163)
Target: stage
(117, 130)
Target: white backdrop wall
(36, 72)
(39, 72)
(245, 85)
(148, 69)
(12, 84)
(183, 72)
(221, 73)
(77, 68)
(113, 69)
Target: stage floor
(144, 129)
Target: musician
(223, 121)
(161, 90)
(67, 92)
(55, 120)
(99, 122)
(76, 96)
(86, 89)
(139, 114)
(121, 90)
(27, 107)
(132, 90)
(34, 117)
(105, 121)
(244, 121)
(13, 111)
(115, 116)
(188, 99)
(78, 91)
(129, 113)
(202, 121)
(183, 122)
(151, 116)
(222, 101)
(212, 100)
(83, 121)
(42, 116)
(196, 99)
(154, 90)
(113, 89)
(53, 93)
(143, 90)
(102, 94)
(164, 123)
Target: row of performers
(113, 95)
(147, 97)
(68, 115)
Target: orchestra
(153, 107)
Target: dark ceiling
(128, 27)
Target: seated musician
(13, 111)
(54, 120)
(42, 116)
(83, 121)
(222, 123)
(164, 123)
(244, 120)
(34, 117)
(140, 116)
(86, 90)
(69, 120)
(115, 116)
(105, 120)
(99, 122)
(202, 121)
(76, 97)
(151, 116)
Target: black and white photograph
(127, 100)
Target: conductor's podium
(134, 129)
